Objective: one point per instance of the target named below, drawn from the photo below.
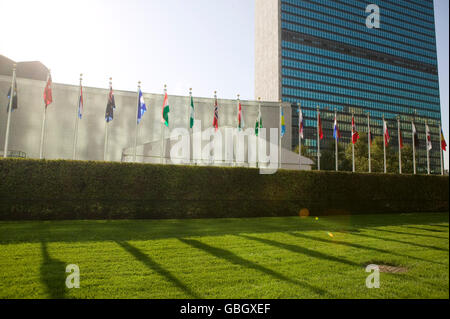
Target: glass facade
(331, 59)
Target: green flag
(192, 113)
(165, 111)
(259, 124)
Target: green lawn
(227, 258)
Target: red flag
(443, 143)
(216, 116)
(48, 99)
(401, 140)
(320, 128)
(355, 134)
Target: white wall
(26, 121)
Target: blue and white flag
(336, 133)
(80, 103)
(142, 108)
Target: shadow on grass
(358, 246)
(154, 266)
(131, 230)
(235, 259)
(53, 274)
(427, 229)
(302, 250)
(410, 234)
(402, 242)
(434, 225)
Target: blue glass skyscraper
(322, 53)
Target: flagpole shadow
(302, 250)
(53, 274)
(152, 265)
(234, 259)
(358, 246)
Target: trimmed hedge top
(33, 189)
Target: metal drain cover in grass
(392, 269)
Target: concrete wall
(268, 50)
(26, 121)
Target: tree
(328, 157)
(377, 156)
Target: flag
(415, 135)
(443, 143)
(300, 123)
(259, 124)
(429, 144)
(283, 123)
(165, 110)
(387, 138)
(216, 115)
(241, 123)
(336, 133)
(80, 103)
(14, 99)
(320, 127)
(401, 139)
(355, 134)
(192, 116)
(48, 98)
(142, 108)
(111, 106)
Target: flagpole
(369, 136)
(105, 151)
(137, 125)
(318, 139)
(163, 129)
(414, 147)
(336, 141)
(11, 97)
(428, 150)
(259, 132)
(442, 150)
(399, 146)
(384, 143)
(238, 126)
(279, 137)
(41, 148)
(299, 138)
(191, 130)
(75, 134)
(353, 145)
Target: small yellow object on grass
(331, 235)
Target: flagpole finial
(238, 96)
(259, 98)
(14, 66)
(139, 84)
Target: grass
(227, 258)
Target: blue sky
(204, 44)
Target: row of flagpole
(141, 109)
(355, 137)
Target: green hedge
(47, 190)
